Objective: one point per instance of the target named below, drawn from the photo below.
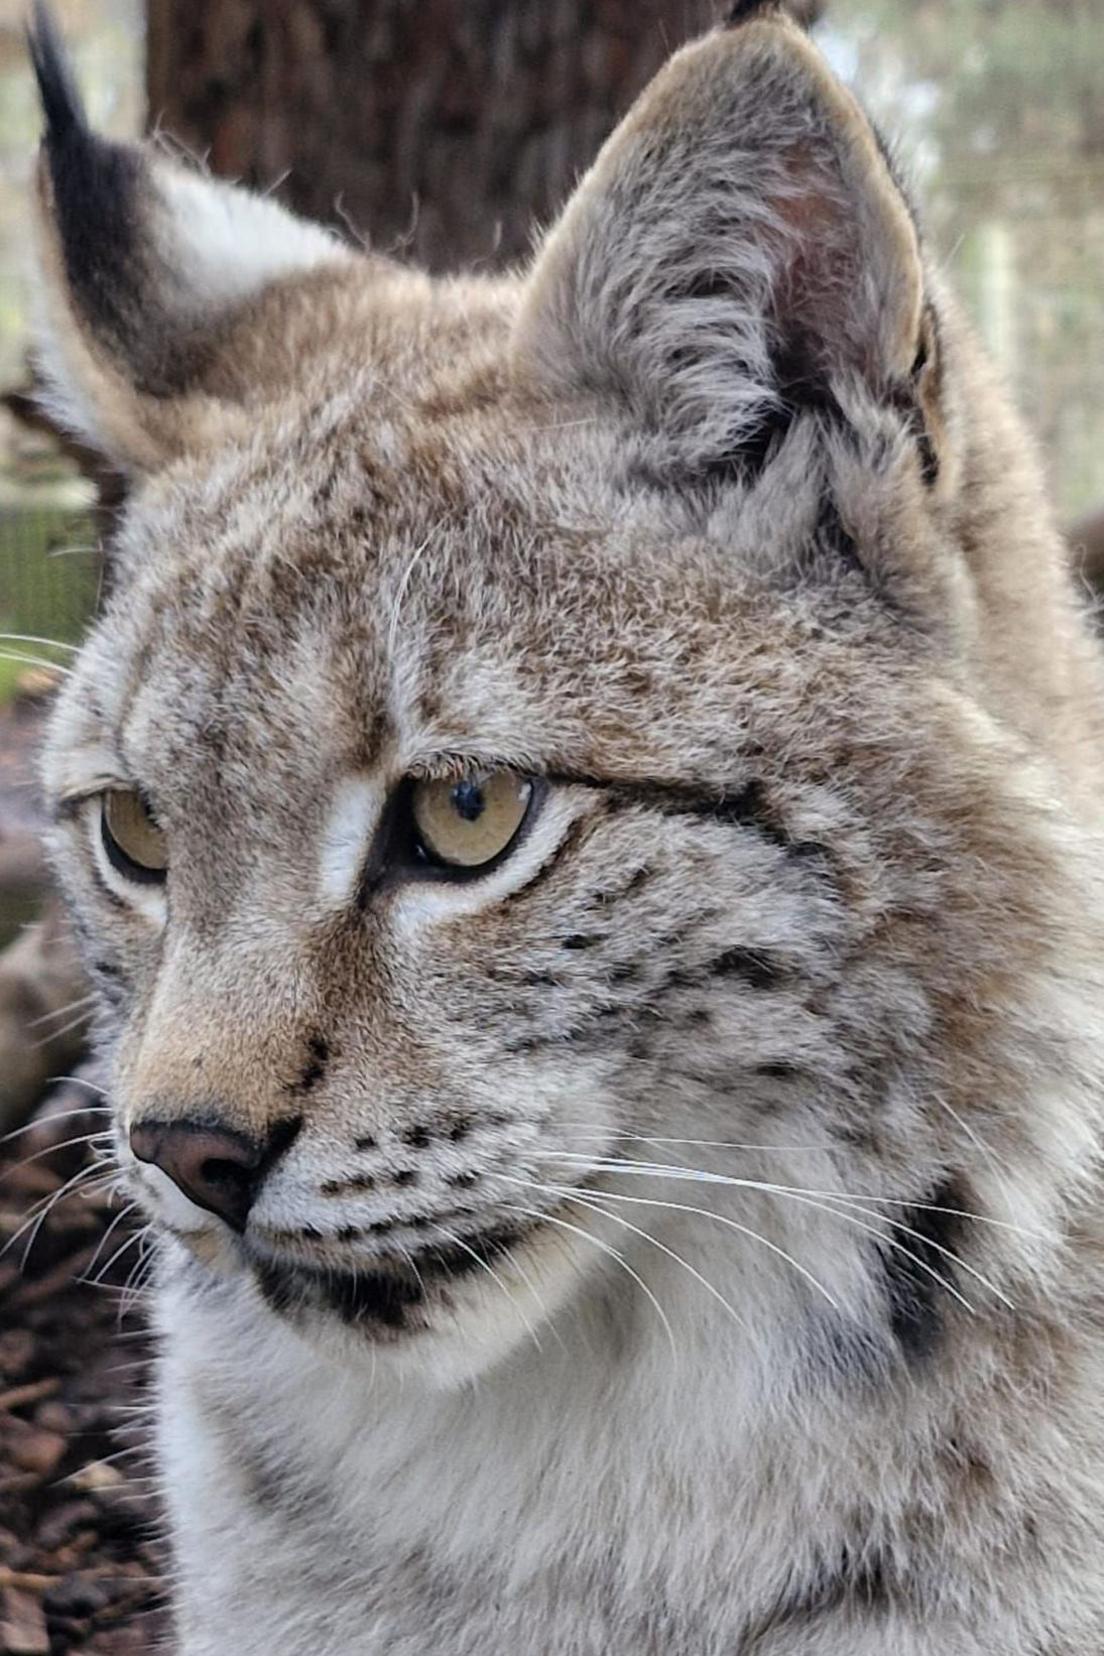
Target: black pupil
(468, 801)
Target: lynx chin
(583, 808)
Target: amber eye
(471, 822)
(134, 844)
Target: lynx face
(546, 723)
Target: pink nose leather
(215, 1168)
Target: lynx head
(544, 724)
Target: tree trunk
(438, 129)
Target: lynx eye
(135, 845)
(471, 822)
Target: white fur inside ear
(223, 243)
(739, 236)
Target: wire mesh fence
(49, 580)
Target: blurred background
(442, 131)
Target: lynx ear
(148, 269)
(739, 250)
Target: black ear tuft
(95, 186)
(61, 101)
(142, 261)
(803, 12)
(744, 10)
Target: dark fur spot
(373, 1296)
(751, 808)
(756, 968)
(405, 1176)
(578, 940)
(529, 1043)
(277, 1286)
(362, 1296)
(383, 1296)
(778, 1072)
(835, 540)
(418, 1138)
(315, 1067)
(457, 1261)
(462, 1181)
(343, 1187)
(929, 458)
(459, 1130)
(365, 1142)
(917, 1301)
(758, 448)
(865, 1587)
(748, 806)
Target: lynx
(583, 807)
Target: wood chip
(22, 1624)
(36, 1451)
(19, 1396)
(29, 1580)
(95, 1477)
(33, 1293)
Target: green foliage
(49, 571)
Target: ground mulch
(81, 1568)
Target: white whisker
(888, 1240)
(23, 660)
(66, 1029)
(656, 1242)
(42, 1209)
(119, 1217)
(80, 1081)
(604, 1247)
(744, 1230)
(495, 1277)
(60, 1011)
(705, 1144)
(400, 596)
(130, 1242)
(702, 1175)
(55, 1149)
(62, 1115)
(36, 638)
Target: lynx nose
(216, 1168)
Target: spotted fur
(682, 1236)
